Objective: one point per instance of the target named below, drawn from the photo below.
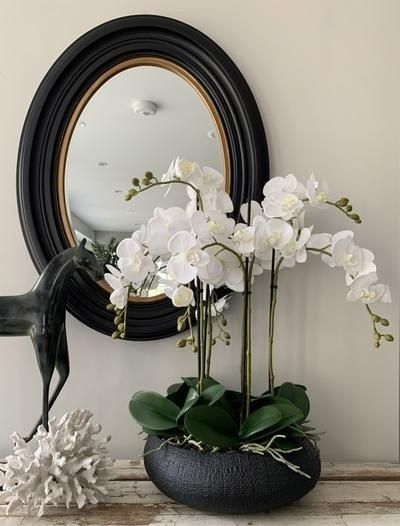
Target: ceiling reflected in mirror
(138, 119)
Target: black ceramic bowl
(230, 482)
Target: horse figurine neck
(40, 313)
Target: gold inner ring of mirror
(131, 63)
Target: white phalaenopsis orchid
(119, 284)
(295, 251)
(187, 257)
(133, 262)
(201, 243)
(363, 288)
(216, 226)
(356, 261)
(163, 225)
(317, 192)
(243, 239)
(182, 296)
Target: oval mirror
(128, 97)
(137, 117)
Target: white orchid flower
(167, 284)
(221, 305)
(320, 241)
(134, 264)
(119, 284)
(216, 226)
(243, 238)
(317, 192)
(283, 197)
(208, 180)
(363, 288)
(170, 173)
(271, 233)
(295, 251)
(213, 273)
(182, 296)
(140, 235)
(255, 210)
(163, 225)
(214, 200)
(283, 205)
(288, 184)
(340, 243)
(187, 257)
(356, 261)
(185, 169)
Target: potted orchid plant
(210, 447)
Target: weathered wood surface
(348, 494)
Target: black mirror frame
(53, 104)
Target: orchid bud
(342, 202)
(349, 208)
(389, 338)
(377, 345)
(224, 323)
(110, 307)
(227, 342)
(148, 175)
(145, 182)
(117, 319)
(376, 318)
(121, 326)
(115, 335)
(377, 336)
(122, 335)
(135, 181)
(181, 343)
(385, 322)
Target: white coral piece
(69, 464)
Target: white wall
(326, 78)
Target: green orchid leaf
(173, 432)
(153, 411)
(212, 394)
(192, 381)
(174, 388)
(212, 425)
(178, 394)
(290, 415)
(259, 421)
(191, 399)
(297, 395)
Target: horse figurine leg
(46, 358)
(62, 368)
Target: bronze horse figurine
(40, 314)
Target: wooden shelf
(347, 495)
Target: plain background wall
(326, 78)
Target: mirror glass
(139, 119)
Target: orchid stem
(272, 310)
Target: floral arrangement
(69, 465)
(198, 253)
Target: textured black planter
(230, 482)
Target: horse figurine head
(86, 260)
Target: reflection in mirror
(138, 120)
